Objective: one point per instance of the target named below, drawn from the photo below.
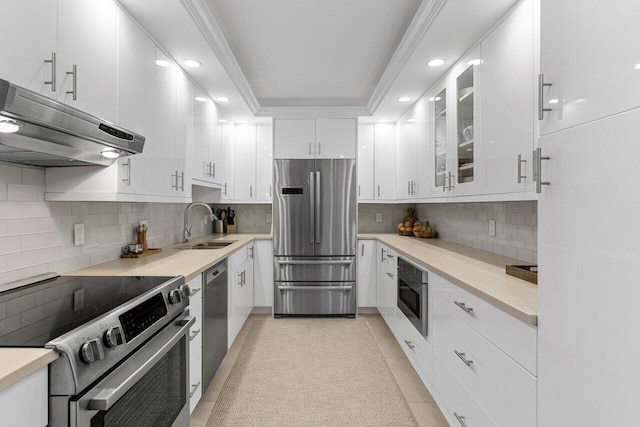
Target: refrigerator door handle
(315, 288)
(312, 207)
(317, 203)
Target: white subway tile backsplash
(10, 174)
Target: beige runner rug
(310, 372)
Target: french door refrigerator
(314, 239)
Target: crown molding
(206, 23)
(421, 22)
(313, 112)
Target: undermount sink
(213, 244)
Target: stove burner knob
(91, 351)
(113, 337)
(185, 290)
(175, 296)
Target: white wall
(37, 236)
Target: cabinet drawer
(195, 380)
(236, 259)
(456, 398)
(513, 336)
(504, 388)
(416, 346)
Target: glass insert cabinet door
(440, 137)
(464, 126)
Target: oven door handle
(139, 364)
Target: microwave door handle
(312, 207)
(318, 213)
(107, 397)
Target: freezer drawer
(314, 298)
(314, 269)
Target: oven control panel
(142, 316)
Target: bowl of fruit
(424, 230)
(405, 228)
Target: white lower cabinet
(386, 283)
(263, 273)
(240, 292)
(195, 343)
(366, 273)
(418, 350)
(25, 403)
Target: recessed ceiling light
(192, 63)
(434, 98)
(8, 125)
(383, 120)
(111, 153)
(163, 63)
(554, 101)
(222, 121)
(411, 120)
(475, 62)
(222, 99)
(636, 67)
(435, 62)
(404, 99)
(200, 98)
(242, 121)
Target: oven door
(412, 301)
(149, 389)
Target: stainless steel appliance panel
(413, 294)
(293, 208)
(214, 334)
(336, 207)
(314, 298)
(322, 269)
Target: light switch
(269, 218)
(379, 217)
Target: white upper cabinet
(87, 56)
(264, 163)
(30, 26)
(311, 138)
(227, 162)
(413, 152)
(203, 112)
(440, 138)
(245, 165)
(589, 56)
(508, 104)
(366, 157)
(336, 138)
(385, 161)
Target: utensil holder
(142, 240)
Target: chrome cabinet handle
(541, 86)
(209, 170)
(175, 177)
(390, 275)
(225, 188)
(520, 162)
(251, 191)
(450, 181)
(74, 86)
(250, 249)
(463, 306)
(408, 188)
(390, 256)
(269, 190)
(378, 190)
(362, 250)
(194, 291)
(244, 277)
(319, 144)
(382, 251)
(460, 419)
(181, 181)
(309, 148)
(409, 344)
(127, 180)
(358, 190)
(537, 160)
(194, 334)
(194, 387)
(52, 61)
(463, 358)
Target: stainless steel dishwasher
(214, 324)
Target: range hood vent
(50, 133)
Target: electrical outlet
(144, 222)
(269, 218)
(78, 234)
(492, 227)
(379, 217)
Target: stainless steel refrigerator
(314, 237)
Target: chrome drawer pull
(463, 358)
(194, 387)
(194, 291)
(194, 334)
(390, 275)
(411, 346)
(463, 306)
(460, 419)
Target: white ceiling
(317, 57)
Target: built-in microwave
(413, 294)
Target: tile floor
(420, 401)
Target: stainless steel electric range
(123, 344)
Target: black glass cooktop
(32, 315)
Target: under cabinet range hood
(36, 130)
